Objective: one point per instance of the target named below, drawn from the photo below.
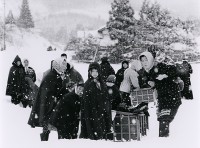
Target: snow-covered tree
(121, 23)
(10, 19)
(25, 19)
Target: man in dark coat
(164, 75)
(47, 98)
(106, 69)
(30, 78)
(93, 106)
(120, 73)
(66, 114)
(184, 71)
(16, 85)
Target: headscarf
(59, 65)
(136, 65)
(150, 59)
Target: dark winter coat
(94, 123)
(114, 97)
(72, 76)
(106, 70)
(16, 85)
(184, 70)
(120, 75)
(167, 88)
(66, 115)
(45, 101)
(144, 78)
(30, 72)
(30, 78)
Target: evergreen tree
(25, 19)
(121, 23)
(10, 19)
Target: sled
(146, 95)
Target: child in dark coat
(65, 116)
(120, 73)
(113, 92)
(106, 69)
(94, 122)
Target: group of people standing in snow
(63, 99)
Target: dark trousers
(126, 98)
(165, 117)
(68, 131)
(16, 99)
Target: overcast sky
(99, 8)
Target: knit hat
(111, 79)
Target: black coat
(143, 78)
(94, 114)
(106, 70)
(45, 101)
(120, 75)
(16, 84)
(72, 75)
(66, 114)
(31, 73)
(168, 90)
(114, 97)
(184, 71)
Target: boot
(44, 136)
(163, 129)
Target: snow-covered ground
(16, 133)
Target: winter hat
(59, 65)
(94, 65)
(17, 58)
(136, 65)
(111, 79)
(150, 59)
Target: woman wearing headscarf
(47, 97)
(147, 62)
(165, 76)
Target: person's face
(64, 57)
(94, 73)
(125, 65)
(18, 63)
(144, 62)
(26, 63)
(109, 84)
(79, 90)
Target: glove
(161, 77)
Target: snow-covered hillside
(26, 40)
(185, 129)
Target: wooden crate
(126, 127)
(143, 95)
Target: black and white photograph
(99, 73)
